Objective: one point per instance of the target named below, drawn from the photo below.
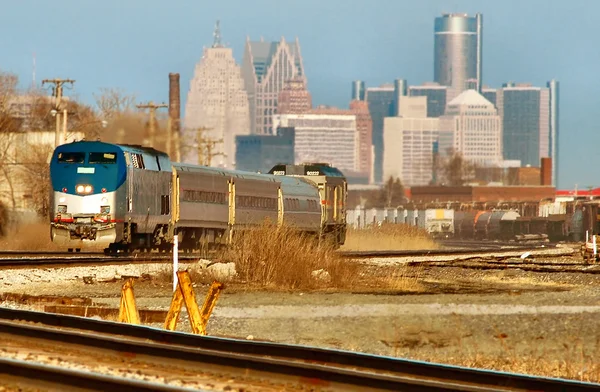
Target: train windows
(103, 157)
(71, 157)
(165, 204)
(204, 197)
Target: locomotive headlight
(83, 189)
(62, 199)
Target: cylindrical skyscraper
(358, 90)
(458, 51)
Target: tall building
(525, 112)
(358, 90)
(490, 94)
(458, 52)
(382, 104)
(364, 127)
(266, 67)
(323, 135)
(259, 153)
(472, 127)
(553, 86)
(436, 97)
(218, 102)
(294, 98)
(409, 143)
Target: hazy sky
(134, 44)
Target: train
(554, 220)
(130, 197)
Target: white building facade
(218, 102)
(472, 127)
(328, 138)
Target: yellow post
(174, 310)
(185, 294)
(210, 301)
(189, 298)
(128, 310)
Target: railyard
(521, 309)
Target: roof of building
(264, 51)
(470, 97)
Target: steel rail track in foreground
(36, 375)
(313, 365)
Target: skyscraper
(382, 104)
(553, 149)
(458, 52)
(364, 127)
(218, 102)
(294, 97)
(436, 97)
(358, 90)
(525, 112)
(266, 67)
(472, 127)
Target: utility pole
(206, 147)
(152, 107)
(57, 93)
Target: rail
(338, 370)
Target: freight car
(131, 197)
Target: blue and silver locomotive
(132, 197)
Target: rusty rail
(339, 370)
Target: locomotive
(130, 197)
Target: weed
(283, 258)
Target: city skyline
(517, 47)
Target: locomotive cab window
(71, 157)
(103, 157)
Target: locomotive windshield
(103, 157)
(71, 157)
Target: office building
(382, 103)
(472, 127)
(553, 151)
(436, 97)
(358, 90)
(216, 101)
(294, 98)
(458, 52)
(266, 68)
(259, 153)
(525, 113)
(409, 143)
(323, 135)
(364, 127)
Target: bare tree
(456, 170)
(391, 194)
(113, 102)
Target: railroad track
(48, 259)
(257, 365)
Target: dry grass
(406, 279)
(281, 258)
(388, 237)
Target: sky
(134, 44)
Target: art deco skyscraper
(458, 51)
(218, 102)
(266, 67)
